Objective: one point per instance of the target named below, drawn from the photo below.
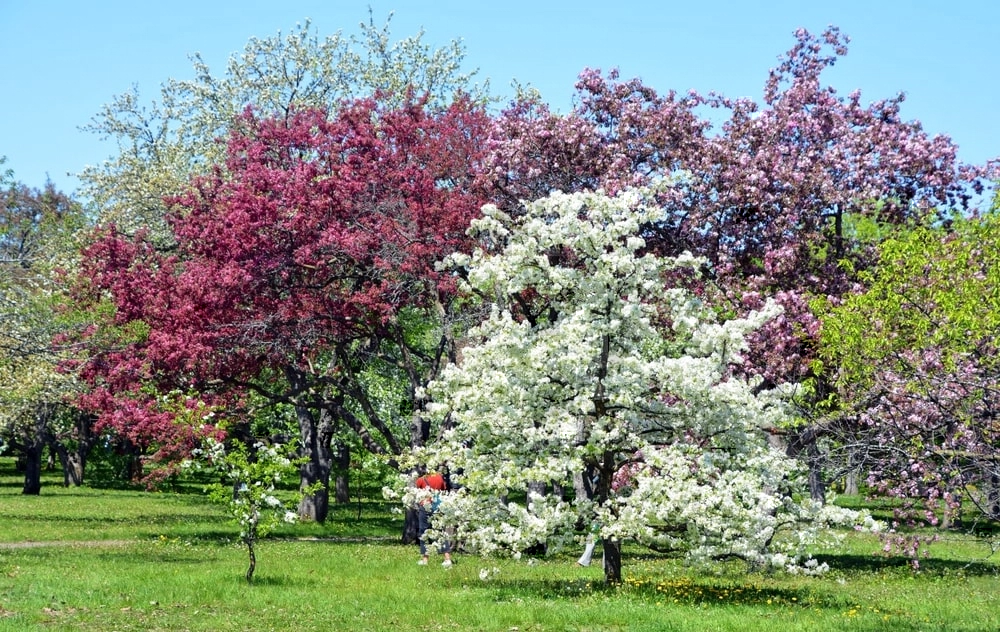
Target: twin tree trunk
(74, 461)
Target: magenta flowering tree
(772, 199)
(296, 261)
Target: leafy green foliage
(918, 369)
(933, 288)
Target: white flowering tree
(249, 491)
(592, 363)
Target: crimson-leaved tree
(295, 262)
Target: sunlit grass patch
(174, 564)
(689, 590)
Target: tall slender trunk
(342, 481)
(249, 541)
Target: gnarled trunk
(34, 447)
(315, 432)
(73, 464)
(252, 555)
(33, 468)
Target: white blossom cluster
(616, 368)
(250, 496)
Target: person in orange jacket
(425, 509)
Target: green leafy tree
(918, 367)
(38, 242)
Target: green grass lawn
(169, 562)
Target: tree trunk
(410, 526)
(34, 447)
(612, 561)
(315, 471)
(33, 468)
(132, 460)
(341, 486)
(253, 559)
(805, 442)
(581, 490)
(851, 483)
(420, 432)
(74, 461)
(993, 506)
(817, 486)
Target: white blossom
(593, 378)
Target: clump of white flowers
(614, 375)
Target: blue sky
(63, 59)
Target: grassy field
(130, 560)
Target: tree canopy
(163, 143)
(916, 358)
(622, 377)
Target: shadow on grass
(151, 521)
(871, 564)
(283, 582)
(166, 555)
(985, 529)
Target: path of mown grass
(174, 567)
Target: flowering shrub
(249, 490)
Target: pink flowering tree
(771, 199)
